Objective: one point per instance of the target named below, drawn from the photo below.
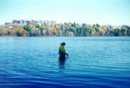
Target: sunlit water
(94, 62)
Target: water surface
(94, 62)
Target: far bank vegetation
(66, 29)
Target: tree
(3, 30)
(117, 32)
(19, 30)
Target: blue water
(94, 62)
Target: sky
(103, 12)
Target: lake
(93, 62)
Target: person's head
(63, 43)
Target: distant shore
(66, 29)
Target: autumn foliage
(66, 29)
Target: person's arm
(66, 53)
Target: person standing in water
(62, 54)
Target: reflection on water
(94, 62)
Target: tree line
(66, 29)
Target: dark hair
(63, 43)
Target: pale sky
(103, 12)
